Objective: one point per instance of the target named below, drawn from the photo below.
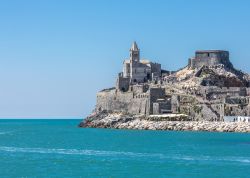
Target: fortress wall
(154, 95)
(129, 102)
(139, 106)
(117, 101)
(210, 58)
(138, 89)
(113, 101)
(156, 69)
(199, 62)
(123, 83)
(234, 91)
(224, 91)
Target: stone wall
(113, 100)
(123, 83)
(162, 107)
(237, 100)
(138, 100)
(175, 102)
(126, 69)
(154, 95)
(140, 73)
(210, 58)
(117, 101)
(236, 110)
(214, 93)
(155, 70)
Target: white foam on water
(4, 133)
(245, 160)
(213, 159)
(76, 152)
(237, 159)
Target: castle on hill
(208, 87)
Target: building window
(148, 76)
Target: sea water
(58, 148)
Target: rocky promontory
(208, 94)
(123, 121)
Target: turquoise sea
(57, 148)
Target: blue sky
(55, 55)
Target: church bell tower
(134, 53)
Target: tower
(134, 62)
(134, 53)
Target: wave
(157, 156)
(214, 159)
(4, 133)
(76, 152)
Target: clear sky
(55, 55)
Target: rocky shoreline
(121, 121)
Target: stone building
(136, 71)
(209, 88)
(215, 93)
(139, 100)
(209, 58)
(134, 92)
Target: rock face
(221, 76)
(121, 121)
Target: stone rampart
(210, 58)
(127, 102)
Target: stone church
(136, 71)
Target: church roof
(144, 61)
(134, 47)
